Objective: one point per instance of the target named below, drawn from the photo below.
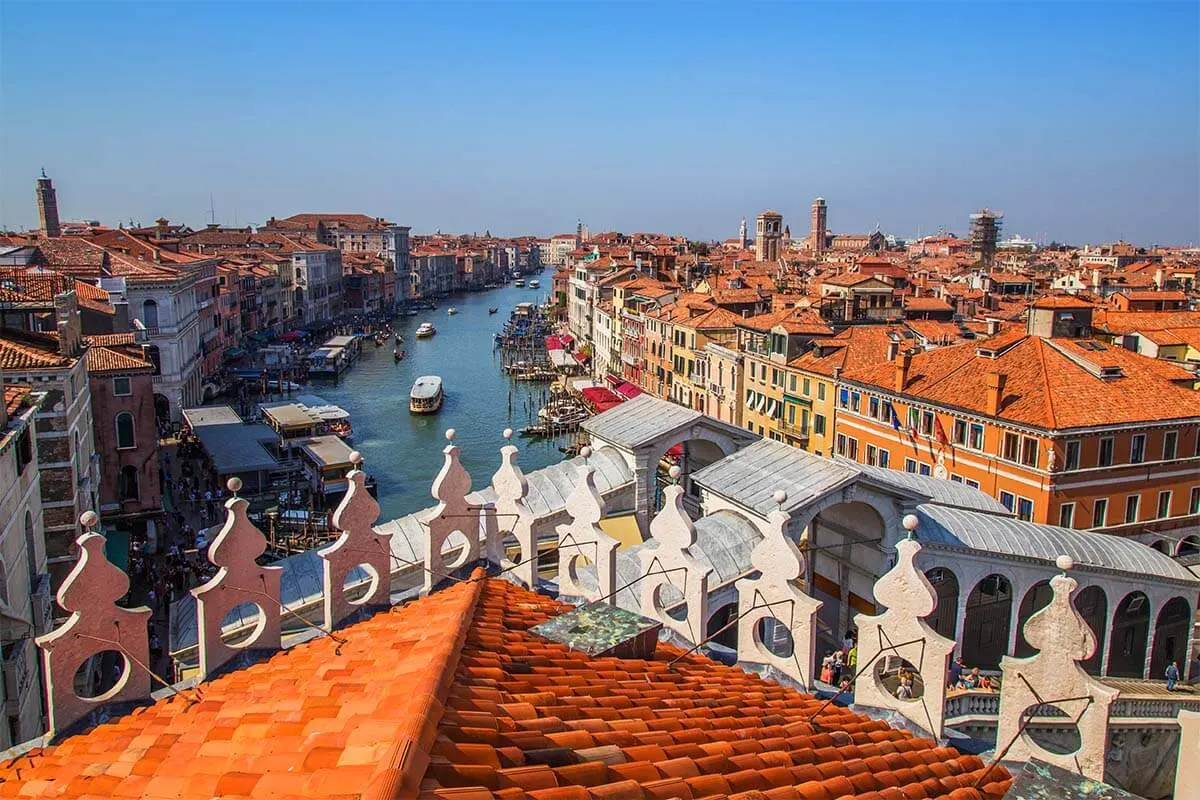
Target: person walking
(1172, 674)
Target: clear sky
(1080, 121)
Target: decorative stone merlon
(584, 539)
(359, 544)
(900, 632)
(511, 515)
(1053, 677)
(672, 564)
(453, 514)
(776, 594)
(239, 581)
(90, 592)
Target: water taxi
(533, 284)
(452, 310)
(425, 330)
(426, 395)
(519, 282)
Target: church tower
(819, 234)
(742, 240)
(47, 203)
(768, 236)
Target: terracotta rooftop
(1060, 301)
(1122, 322)
(1046, 384)
(14, 397)
(856, 347)
(24, 350)
(110, 359)
(927, 304)
(452, 698)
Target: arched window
(987, 622)
(125, 436)
(1170, 637)
(1130, 631)
(1092, 604)
(150, 314)
(127, 483)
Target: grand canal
(403, 451)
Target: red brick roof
(24, 350)
(927, 304)
(110, 359)
(1045, 385)
(1060, 301)
(14, 397)
(451, 698)
(1122, 322)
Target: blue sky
(1080, 121)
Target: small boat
(398, 355)
(533, 284)
(493, 310)
(425, 330)
(426, 395)
(519, 282)
(452, 310)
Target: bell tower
(768, 236)
(47, 203)
(818, 234)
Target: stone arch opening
(1092, 605)
(1160, 545)
(944, 619)
(1037, 598)
(150, 314)
(1130, 630)
(690, 455)
(1188, 546)
(1170, 637)
(162, 408)
(987, 622)
(722, 617)
(845, 559)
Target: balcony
(18, 677)
(698, 379)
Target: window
(885, 459)
(820, 391)
(956, 478)
(806, 386)
(873, 408)
(1029, 451)
(792, 383)
(960, 432)
(1008, 500)
(122, 387)
(791, 414)
(1011, 443)
(855, 402)
(1137, 449)
(872, 455)
(1066, 515)
(1106, 452)
(819, 424)
(840, 444)
(1100, 513)
(1072, 459)
(127, 483)
(927, 423)
(914, 419)
(1170, 444)
(1024, 509)
(1131, 508)
(924, 469)
(1194, 501)
(125, 437)
(976, 441)
(910, 466)
(852, 449)
(1164, 504)
(972, 484)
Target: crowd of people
(840, 667)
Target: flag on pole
(940, 432)
(895, 417)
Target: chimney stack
(1159, 277)
(995, 392)
(66, 313)
(902, 366)
(993, 326)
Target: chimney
(120, 316)
(893, 349)
(993, 326)
(995, 392)
(66, 313)
(1159, 276)
(902, 365)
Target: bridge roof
(939, 490)
(640, 420)
(989, 533)
(751, 476)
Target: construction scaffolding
(985, 233)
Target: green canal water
(403, 451)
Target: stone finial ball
(234, 484)
(585, 451)
(910, 522)
(89, 519)
(1064, 563)
(356, 457)
(450, 434)
(507, 433)
(780, 497)
(675, 472)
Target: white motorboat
(425, 330)
(426, 395)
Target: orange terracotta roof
(109, 359)
(1173, 296)
(110, 339)
(794, 320)
(856, 347)
(1060, 301)
(1122, 322)
(24, 350)
(14, 397)
(927, 304)
(1046, 385)
(848, 279)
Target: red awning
(601, 399)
